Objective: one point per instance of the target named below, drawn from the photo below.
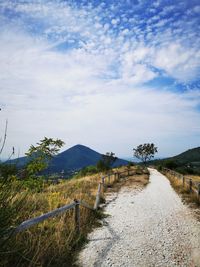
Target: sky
(106, 74)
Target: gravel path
(150, 227)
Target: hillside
(72, 159)
(189, 156)
(186, 162)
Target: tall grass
(183, 189)
(52, 242)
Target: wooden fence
(193, 186)
(105, 182)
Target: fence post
(183, 177)
(77, 216)
(97, 197)
(190, 185)
(198, 190)
(109, 179)
(128, 172)
(115, 177)
(103, 180)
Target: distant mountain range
(72, 159)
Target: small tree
(106, 162)
(41, 154)
(145, 152)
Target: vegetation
(187, 162)
(87, 171)
(145, 152)
(184, 189)
(41, 154)
(106, 162)
(52, 242)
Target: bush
(7, 170)
(170, 164)
(34, 184)
(159, 168)
(87, 171)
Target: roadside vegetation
(184, 189)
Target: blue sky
(107, 74)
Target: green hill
(189, 156)
(186, 162)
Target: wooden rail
(194, 187)
(74, 205)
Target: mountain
(189, 156)
(72, 159)
(186, 162)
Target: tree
(170, 164)
(145, 152)
(106, 162)
(41, 154)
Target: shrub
(87, 171)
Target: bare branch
(4, 138)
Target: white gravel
(145, 228)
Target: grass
(55, 241)
(177, 184)
(195, 178)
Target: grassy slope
(52, 242)
(184, 190)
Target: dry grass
(189, 197)
(195, 178)
(53, 242)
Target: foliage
(7, 170)
(34, 184)
(145, 152)
(131, 164)
(87, 171)
(41, 154)
(170, 164)
(106, 162)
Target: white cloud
(180, 62)
(115, 21)
(93, 92)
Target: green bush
(34, 184)
(87, 171)
(170, 164)
(7, 170)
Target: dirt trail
(145, 228)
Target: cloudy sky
(106, 74)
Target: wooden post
(198, 191)
(190, 185)
(103, 180)
(128, 172)
(97, 197)
(183, 177)
(116, 177)
(77, 216)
